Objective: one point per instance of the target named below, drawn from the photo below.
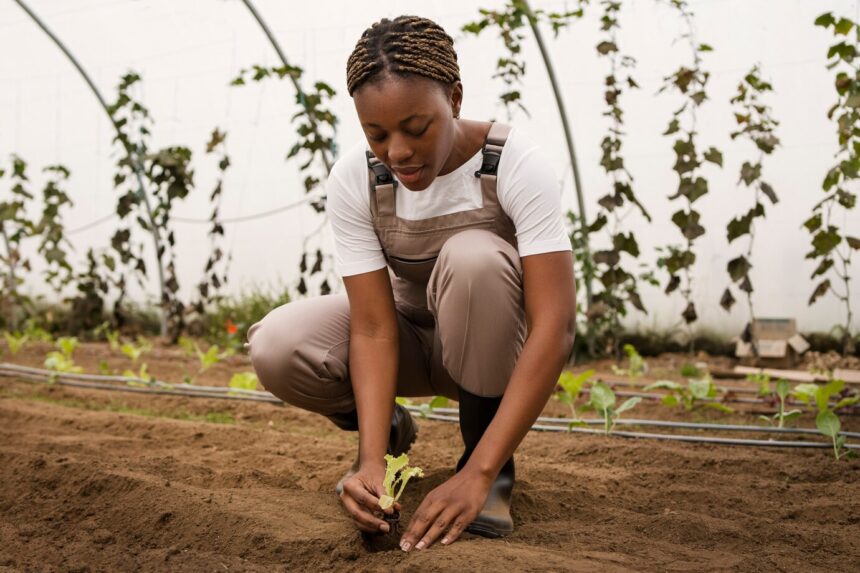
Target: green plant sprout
(763, 381)
(62, 360)
(692, 395)
(143, 374)
(782, 392)
(134, 352)
(571, 387)
(16, 341)
(110, 335)
(426, 408)
(828, 424)
(636, 367)
(603, 400)
(37, 333)
(244, 381)
(690, 370)
(827, 421)
(397, 474)
(208, 359)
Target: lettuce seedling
(16, 341)
(571, 386)
(603, 401)
(636, 364)
(692, 395)
(782, 391)
(134, 352)
(828, 424)
(62, 360)
(826, 420)
(426, 408)
(244, 381)
(397, 474)
(763, 381)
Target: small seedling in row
(244, 381)
(763, 382)
(62, 360)
(828, 424)
(571, 387)
(134, 352)
(112, 336)
(208, 359)
(397, 474)
(603, 401)
(693, 395)
(690, 370)
(142, 374)
(636, 366)
(37, 333)
(782, 392)
(16, 341)
(426, 408)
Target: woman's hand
(360, 498)
(447, 510)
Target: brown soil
(111, 481)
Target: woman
(459, 282)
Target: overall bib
(457, 284)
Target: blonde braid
(405, 45)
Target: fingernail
(383, 527)
(405, 546)
(444, 541)
(420, 545)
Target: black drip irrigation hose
(545, 424)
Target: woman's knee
(478, 253)
(303, 361)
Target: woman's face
(409, 124)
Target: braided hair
(405, 45)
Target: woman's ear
(456, 98)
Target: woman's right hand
(360, 498)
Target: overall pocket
(413, 270)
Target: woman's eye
(419, 133)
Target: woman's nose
(399, 150)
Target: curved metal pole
(571, 151)
(135, 163)
(311, 119)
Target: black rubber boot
(476, 413)
(403, 434)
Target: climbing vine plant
(215, 271)
(690, 81)
(612, 264)
(832, 247)
(54, 246)
(15, 227)
(756, 125)
(511, 20)
(315, 125)
(150, 183)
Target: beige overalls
(457, 282)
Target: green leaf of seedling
(628, 404)
(718, 406)
(767, 419)
(438, 402)
(602, 397)
(805, 392)
(403, 401)
(822, 396)
(827, 423)
(700, 389)
(244, 381)
(782, 388)
(670, 400)
(663, 385)
(791, 415)
(576, 424)
(845, 402)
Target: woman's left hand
(447, 510)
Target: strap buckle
(383, 175)
(490, 163)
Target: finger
(419, 524)
(457, 527)
(363, 497)
(363, 520)
(442, 523)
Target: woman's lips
(410, 175)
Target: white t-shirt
(527, 190)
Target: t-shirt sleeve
(357, 248)
(531, 196)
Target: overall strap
(492, 153)
(382, 186)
